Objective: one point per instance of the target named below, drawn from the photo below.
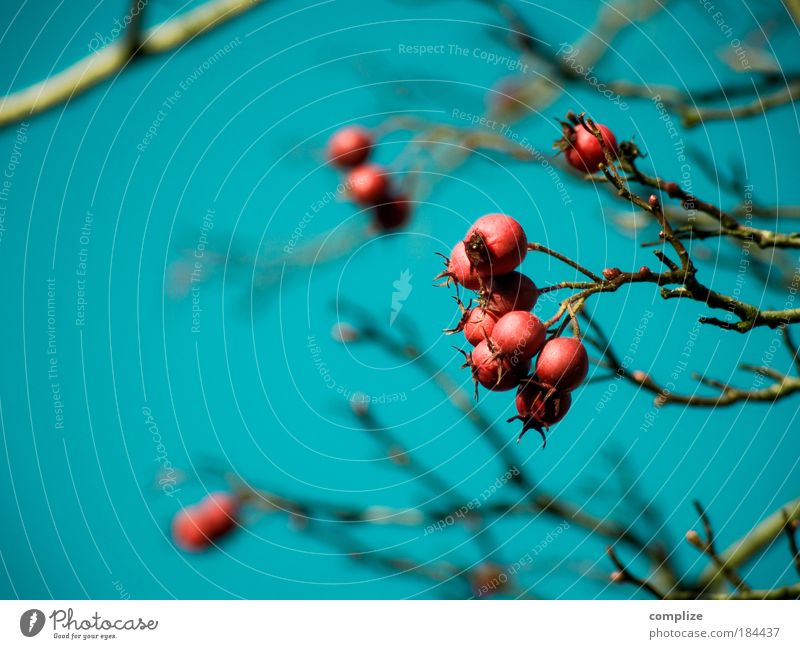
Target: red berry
(459, 270)
(478, 325)
(584, 152)
(496, 244)
(510, 292)
(194, 528)
(539, 407)
(562, 364)
(518, 335)
(187, 529)
(392, 214)
(368, 184)
(349, 146)
(533, 402)
(494, 372)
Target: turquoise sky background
(83, 515)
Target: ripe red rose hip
(518, 335)
(510, 292)
(562, 364)
(368, 184)
(478, 325)
(194, 528)
(494, 372)
(583, 151)
(496, 244)
(349, 146)
(540, 407)
(459, 269)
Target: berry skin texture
(349, 146)
(194, 528)
(510, 292)
(518, 335)
(368, 184)
(478, 325)
(562, 364)
(584, 152)
(493, 372)
(496, 244)
(459, 270)
(540, 407)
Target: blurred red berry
(496, 244)
(194, 528)
(562, 364)
(349, 146)
(392, 214)
(368, 184)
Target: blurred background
(129, 391)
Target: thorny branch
(783, 385)
(683, 277)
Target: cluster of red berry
(367, 184)
(505, 334)
(196, 527)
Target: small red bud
(617, 577)
(693, 537)
(653, 200)
(644, 270)
(639, 375)
(611, 273)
